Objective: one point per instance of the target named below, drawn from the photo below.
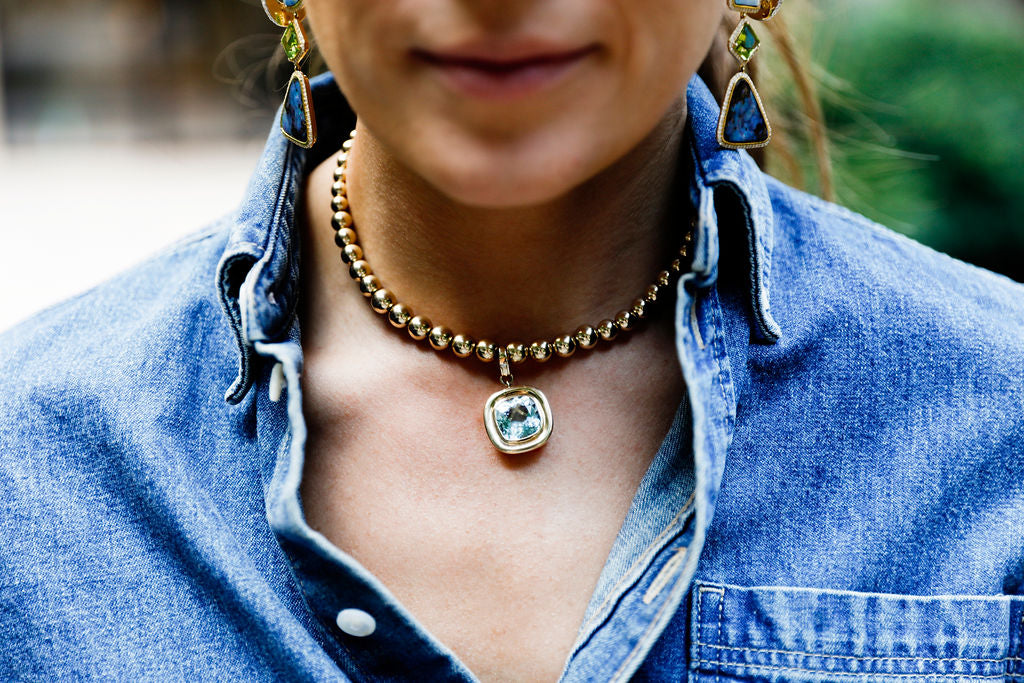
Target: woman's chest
(496, 556)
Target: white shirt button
(356, 622)
(277, 382)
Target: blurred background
(127, 124)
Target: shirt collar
(258, 274)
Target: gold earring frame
(297, 110)
(759, 10)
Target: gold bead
(607, 330)
(345, 237)
(339, 202)
(664, 277)
(565, 345)
(342, 158)
(347, 145)
(341, 219)
(516, 352)
(485, 350)
(586, 337)
(419, 327)
(351, 253)
(360, 269)
(339, 173)
(382, 300)
(463, 345)
(641, 308)
(368, 284)
(541, 350)
(688, 237)
(684, 250)
(338, 188)
(677, 266)
(651, 294)
(625, 320)
(399, 315)
(440, 337)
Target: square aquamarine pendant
(518, 419)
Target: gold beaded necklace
(517, 418)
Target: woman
(803, 463)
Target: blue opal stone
(745, 122)
(517, 417)
(294, 122)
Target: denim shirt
(840, 496)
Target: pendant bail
(503, 367)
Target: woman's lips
(502, 73)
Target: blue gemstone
(294, 122)
(745, 122)
(517, 417)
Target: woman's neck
(502, 274)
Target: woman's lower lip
(508, 82)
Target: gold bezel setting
(765, 10)
(281, 14)
(727, 106)
(307, 95)
(529, 443)
(734, 38)
(745, 9)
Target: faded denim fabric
(840, 496)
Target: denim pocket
(783, 634)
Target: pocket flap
(782, 633)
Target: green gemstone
(746, 42)
(294, 43)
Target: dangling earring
(743, 122)
(297, 121)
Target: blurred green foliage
(925, 105)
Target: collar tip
(768, 331)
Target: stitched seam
(715, 338)
(717, 322)
(700, 598)
(844, 673)
(1020, 643)
(860, 659)
(721, 601)
(643, 636)
(643, 558)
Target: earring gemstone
(744, 42)
(297, 121)
(743, 122)
(294, 42)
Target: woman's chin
(507, 178)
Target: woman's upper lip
(502, 54)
